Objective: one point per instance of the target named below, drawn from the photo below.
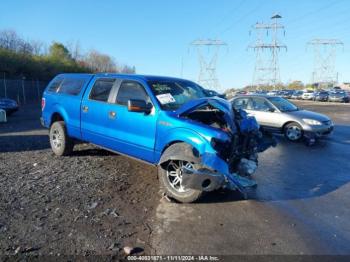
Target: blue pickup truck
(198, 143)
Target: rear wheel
(61, 143)
(293, 132)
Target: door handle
(112, 114)
(85, 109)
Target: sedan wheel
(293, 132)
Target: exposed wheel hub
(174, 174)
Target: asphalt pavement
(301, 204)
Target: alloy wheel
(174, 174)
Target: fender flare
(57, 109)
(180, 151)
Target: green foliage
(20, 58)
(59, 52)
(296, 85)
(41, 67)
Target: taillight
(42, 104)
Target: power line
(229, 14)
(242, 18)
(207, 73)
(308, 14)
(267, 71)
(324, 60)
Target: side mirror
(136, 105)
(271, 109)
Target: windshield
(282, 104)
(172, 94)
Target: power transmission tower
(266, 70)
(207, 63)
(325, 51)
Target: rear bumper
(321, 98)
(338, 100)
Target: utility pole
(325, 51)
(207, 73)
(266, 70)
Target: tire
(293, 132)
(61, 143)
(170, 172)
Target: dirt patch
(93, 202)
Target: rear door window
(131, 90)
(260, 104)
(101, 89)
(71, 86)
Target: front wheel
(170, 176)
(61, 143)
(293, 132)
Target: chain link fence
(24, 91)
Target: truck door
(97, 123)
(136, 131)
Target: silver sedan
(276, 114)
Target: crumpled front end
(233, 161)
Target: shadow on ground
(20, 143)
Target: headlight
(312, 122)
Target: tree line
(20, 58)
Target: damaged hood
(218, 103)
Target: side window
(71, 86)
(101, 89)
(260, 104)
(55, 84)
(241, 103)
(131, 90)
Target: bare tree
(99, 62)
(38, 47)
(75, 50)
(9, 39)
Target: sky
(155, 35)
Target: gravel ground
(93, 202)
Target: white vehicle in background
(308, 95)
(272, 93)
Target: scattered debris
(128, 250)
(93, 205)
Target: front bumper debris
(214, 174)
(203, 179)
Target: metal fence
(23, 91)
